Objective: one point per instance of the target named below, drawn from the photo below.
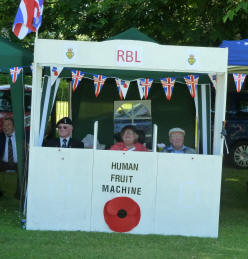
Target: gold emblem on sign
(191, 59)
(70, 53)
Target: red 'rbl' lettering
(128, 56)
(136, 57)
(120, 54)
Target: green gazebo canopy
(11, 55)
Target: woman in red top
(129, 142)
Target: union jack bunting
(28, 18)
(14, 73)
(239, 80)
(55, 72)
(168, 85)
(213, 79)
(77, 76)
(119, 88)
(144, 85)
(192, 82)
(122, 87)
(98, 83)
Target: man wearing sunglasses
(64, 140)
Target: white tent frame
(45, 161)
(102, 55)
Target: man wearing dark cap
(65, 129)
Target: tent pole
(70, 99)
(36, 100)
(220, 108)
(95, 135)
(154, 140)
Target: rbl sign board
(129, 56)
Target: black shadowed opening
(122, 213)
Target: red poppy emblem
(121, 214)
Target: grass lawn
(231, 243)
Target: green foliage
(235, 8)
(231, 243)
(5, 79)
(192, 22)
(63, 90)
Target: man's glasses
(62, 127)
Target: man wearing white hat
(176, 138)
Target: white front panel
(188, 195)
(59, 189)
(108, 164)
(178, 194)
(130, 54)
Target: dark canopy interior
(179, 112)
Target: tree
(235, 8)
(192, 22)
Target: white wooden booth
(178, 194)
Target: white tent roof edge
(130, 55)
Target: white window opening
(136, 113)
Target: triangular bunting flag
(77, 76)
(144, 85)
(239, 80)
(168, 85)
(192, 82)
(213, 79)
(118, 84)
(14, 73)
(98, 83)
(141, 93)
(122, 87)
(55, 72)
